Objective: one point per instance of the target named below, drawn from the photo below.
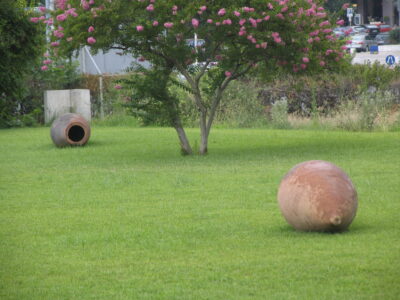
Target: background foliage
(21, 44)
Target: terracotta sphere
(316, 195)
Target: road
(366, 57)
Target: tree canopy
(214, 41)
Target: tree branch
(220, 90)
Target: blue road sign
(390, 60)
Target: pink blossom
(264, 45)
(253, 22)
(155, 23)
(221, 12)
(47, 61)
(195, 23)
(228, 74)
(69, 39)
(61, 17)
(280, 16)
(241, 33)
(346, 5)
(257, 46)
(91, 29)
(317, 39)
(58, 34)
(324, 23)
(284, 9)
(168, 25)
(270, 6)
(217, 23)
(55, 44)
(246, 9)
(242, 21)
(139, 28)
(277, 40)
(85, 5)
(322, 63)
(117, 87)
(310, 40)
(60, 4)
(91, 40)
(42, 9)
(328, 30)
(340, 22)
(209, 21)
(44, 68)
(303, 66)
(150, 7)
(71, 12)
(329, 51)
(266, 18)
(306, 60)
(227, 22)
(34, 20)
(174, 8)
(203, 8)
(46, 54)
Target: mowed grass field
(128, 217)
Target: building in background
(385, 11)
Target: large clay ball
(316, 195)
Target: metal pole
(101, 97)
(100, 81)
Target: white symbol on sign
(350, 12)
(390, 60)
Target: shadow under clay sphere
(316, 195)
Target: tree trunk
(185, 145)
(203, 133)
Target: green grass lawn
(127, 217)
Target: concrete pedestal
(60, 102)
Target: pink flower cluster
(246, 22)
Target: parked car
(358, 29)
(372, 30)
(361, 42)
(384, 28)
(383, 38)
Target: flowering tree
(236, 36)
